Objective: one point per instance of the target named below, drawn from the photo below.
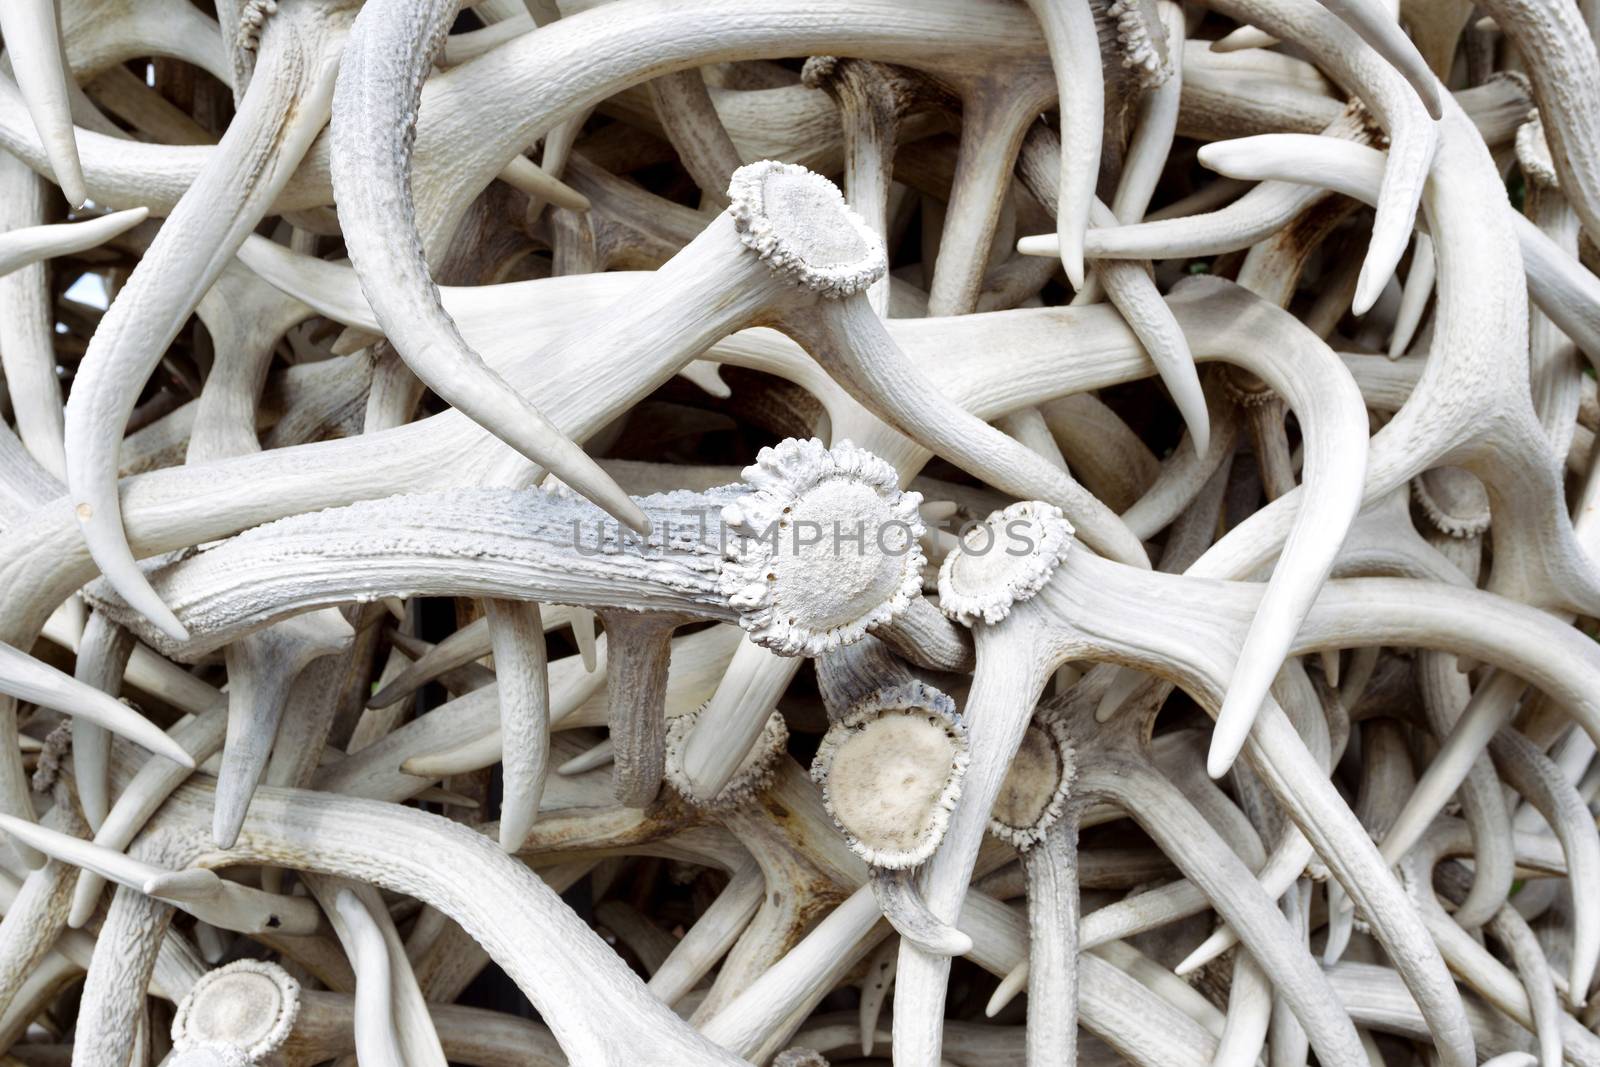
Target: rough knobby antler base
(727, 513)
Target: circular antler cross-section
(1036, 786)
(891, 771)
(218, 1055)
(1006, 559)
(752, 776)
(823, 550)
(799, 1057)
(1454, 500)
(247, 1007)
(798, 223)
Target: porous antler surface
(656, 532)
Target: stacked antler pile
(668, 532)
